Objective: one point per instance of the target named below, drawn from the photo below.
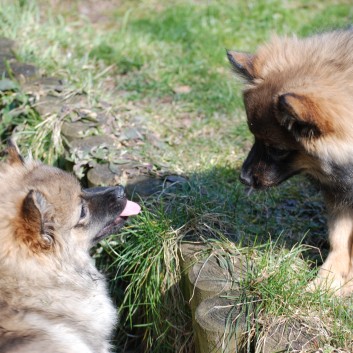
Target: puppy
(299, 103)
(52, 298)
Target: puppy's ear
(302, 116)
(242, 64)
(37, 227)
(12, 153)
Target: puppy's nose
(119, 192)
(246, 178)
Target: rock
(77, 101)
(21, 70)
(175, 179)
(130, 133)
(8, 62)
(48, 105)
(104, 118)
(143, 186)
(86, 144)
(8, 85)
(45, 84)
(101, 175)
(76, 130)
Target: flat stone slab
(101, 175)
(78, 129)
(90, 142)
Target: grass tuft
(278, 281)
(146, 254)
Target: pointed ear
(12, 152)
(302, 116)
(37, 228)
(242, 64)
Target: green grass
(146, 254)
(166, 61)
(278, 283)
(18, 118)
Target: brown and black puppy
(52, 298)
(299, 104)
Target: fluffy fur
(299, 103)
(52, 298)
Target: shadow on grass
(207, 205)
(214, 203)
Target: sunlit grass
(166, 61)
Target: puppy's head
(45, 211)
(297, 108)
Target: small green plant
(144, 260)
(21, 121)
(276, 289)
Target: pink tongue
(131, 209)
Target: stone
(77, 101)
(175, 179)
(86, 144)
(76, 130)
(101, 175)
(47, 84)
(48, 105)
(143, 186)
(8, 85)
(21, 70)
(130, 133)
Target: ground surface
(151, 78)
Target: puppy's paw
(333, 283)
(326, 284)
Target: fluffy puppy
(299, 103)
(52, 298)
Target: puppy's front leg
(335, 273)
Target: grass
(156, 241)
(19, 118)
(278, 282)
(165, 61)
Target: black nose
(246, 178)
(119, 192)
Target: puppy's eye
(276, 153)
(83, 214)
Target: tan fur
(52, 298)
(299, 99)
